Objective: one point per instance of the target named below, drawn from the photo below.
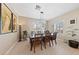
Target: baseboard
(10, 48)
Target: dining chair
(47, 39)
(38, 32)
(37, 41)
(32, 33)
(53, 37)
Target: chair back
(47, 33)
(32, 33)
(54, 35)
(47, 36)
(38, 36)
(38, 32)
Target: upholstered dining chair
(53, 37)
(47, 39)
(37, 41)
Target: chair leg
(45, 45)
(31, 47)
(49, 44)
(34, 48)
(52, 42)
(55, 42)
(41, 45)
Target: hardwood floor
(23, 48)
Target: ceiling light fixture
(41, 12)
(37, 7)
(41, 15)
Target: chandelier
(41, 14)
(37, 7)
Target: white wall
(29, 23)
(66, 22)
(7, 40)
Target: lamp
(20, 33)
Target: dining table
(32, 38)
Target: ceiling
(51, 10)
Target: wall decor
(73, 21)
(0, 18)
(14, 23)
(6, 19)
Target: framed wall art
(0, 18)
(14, 23)
(6, 19)
(73, 21)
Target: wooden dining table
(33, 37)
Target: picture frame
(0, 18)
(14, 22)
(73, 21)
(6, 19)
